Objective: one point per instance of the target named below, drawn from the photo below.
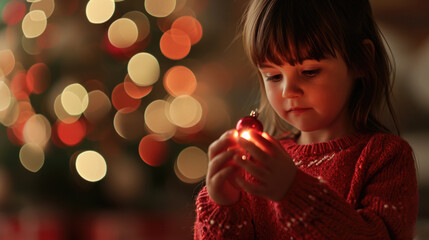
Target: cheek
(274, 98)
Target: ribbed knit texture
(361, 186)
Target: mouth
(297, 110)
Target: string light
(79, 107)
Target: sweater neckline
(334, 145)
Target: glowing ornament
(247, 123)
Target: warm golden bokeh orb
(34, 24)
(100, 11)
(143, 69)
(91, 166)
(160, 8)
(122, 33)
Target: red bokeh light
(13, 12)
(18, 86)
(38, 78)
(122, 101)
(152, 150)
(71, 134)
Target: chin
(306, 128)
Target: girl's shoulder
(388, 141)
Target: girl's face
(311, 96)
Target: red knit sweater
(358, 187)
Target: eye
(311, 73)
(274, 78)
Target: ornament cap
(254, 113)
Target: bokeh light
(134, 90)
(18, 86)
(180, 80)
(156, 119)
(10, 115)
(74, 99)
(142, 22)
(32, 157)
(175, 44)
(34, 24)
(47, 6)
(123, 33)
(143, 69)
(5, 96)
(61, 113)
(7, 62)
(191, 165)
(100, 11)
(190, 26)
(15, 131)
(122, 101)
(91, 166)
(153, 150)
(38, 78)
(99, 106)
(13, 12)
(160, 8)
(129, 125)
(71, 134)
(37, 130)
(185, 111)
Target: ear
(369, 46)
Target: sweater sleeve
(214, 221)
(386, 207)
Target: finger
(271, 139)
(254, 150)
(266, 142)
(251, 188)
(218, 162)
(223, 175)
(255, 170)
(227, 140)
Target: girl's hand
(222, 170)
(269, 164)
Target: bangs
(286, 33)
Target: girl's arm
(214, 221)
(384, 205)
(222, 208)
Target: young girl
(323, 70)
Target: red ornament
(250, 122)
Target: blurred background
(107, 109)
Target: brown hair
(291, 31)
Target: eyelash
(311, 73)
(307, 73)
(274, 78)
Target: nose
(291, 88)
